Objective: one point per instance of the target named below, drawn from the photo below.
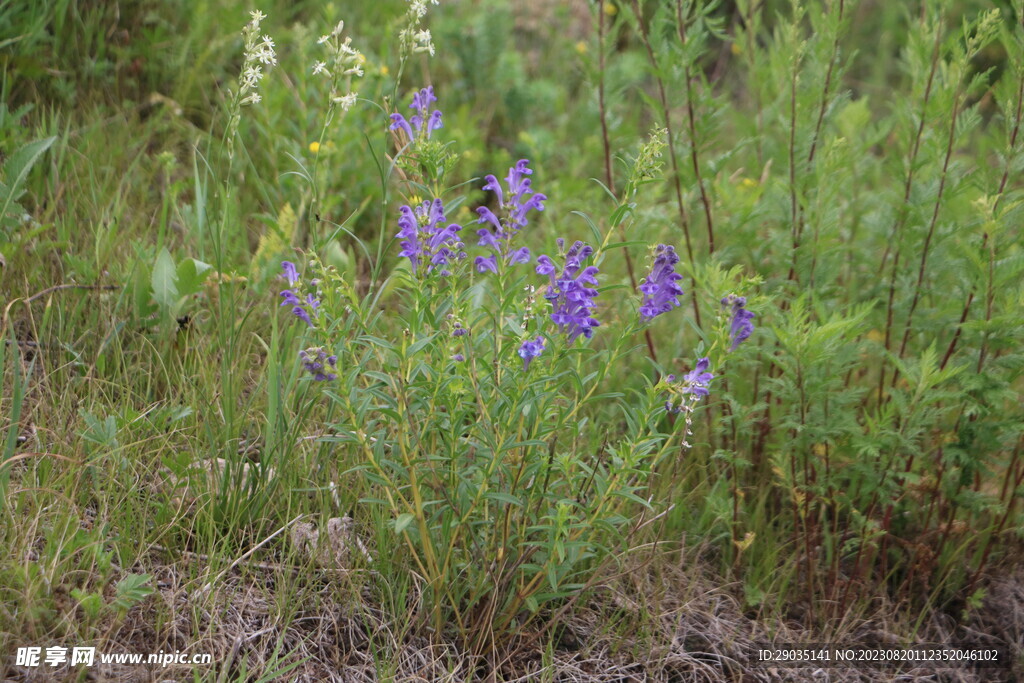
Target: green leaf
(131, 590)
(17, 167)
(403, 521)
(191, 274)
(590, 224)
(142, 293)
(91, 603)
(631, 243)
(419, 345)
(165, 281)
(504, 498)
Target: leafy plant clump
(467, 396)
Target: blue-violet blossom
(660, 288)
(422, 122)
(571, 299)
(301, 309)
(742, 320)
(697, 380)
(513, 209)
(319, 364)
(425, 238)
(530, 349)
(695, 383)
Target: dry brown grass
(663, 621)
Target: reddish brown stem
(691, 118)
(901, 216)
(684, 219)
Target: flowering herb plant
(461, 422)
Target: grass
(173, 480)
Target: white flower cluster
(342, 61)
(259, 52)
(412, 38)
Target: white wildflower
(413, 38)
(341, 64)
(257, 17)
(418, 8)
(345, 101)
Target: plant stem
(684, 219)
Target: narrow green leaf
(504, 498)
(403, 521)
(165, 281)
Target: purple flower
(425, 238)
(398, 121)
(571, 299)
(695, 383)
(530, 349)
(422, 121)
(301, 314)
(423, 99)
(290, 273)
(317, 363)
(515, 201)
(486, 263)
(698, 379)
(301, 309)
(742, 325)
(661, 288)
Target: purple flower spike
(530, 349)
(423, 121)
(305, 309)
(425, 238)
(423, 99)
(661, 288)
(515, 201)
(742, 325)
(571, 298)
